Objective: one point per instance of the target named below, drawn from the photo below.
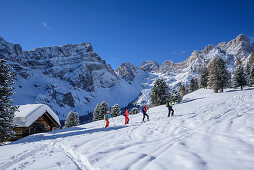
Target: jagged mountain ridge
(74, 77)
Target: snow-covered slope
(209, 131)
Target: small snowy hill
(209, 131)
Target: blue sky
(127, 31)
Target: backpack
(167, 104)
(143, 110)
(106, 116)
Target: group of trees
(160, 93)
(102, 109)
(218, 77)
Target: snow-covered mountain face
(68, 77)
(74, 77)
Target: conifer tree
(115, 110)
(251, 60)
(6, 108)
(204, 77)
(193, 84)
(239, 78)
(100, 110)
(219, 76)
(160, 92)
(72, 120)
(176, 96)
(183, 90)
(248, 73)
(134, 111)
(252, 76)
(196, 84)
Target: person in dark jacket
(144, 110)
(170, 108)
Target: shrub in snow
(204, 77)
(72, 120)
(239, 78)
(6, 108)
(134, 111)
(176, 96)
(160, 92)
(115, 110)
(100, 110)
(218, 77)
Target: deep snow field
(209, 131)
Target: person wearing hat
(144, 110)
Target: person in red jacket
(126, 116)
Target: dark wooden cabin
(37, 119)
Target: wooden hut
(34, 118)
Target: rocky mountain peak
(208, 48)
(127, 71)
(149, 66)
(166, 66)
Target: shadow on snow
(63, 134)
(191, 100)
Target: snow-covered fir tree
(134, 111)
(218, 77)
(72, 120)
(6, 108)
(239, 78)
(183, 90)
(204, 77)
(100, 110)
(248, 71)
(176, 96)
(160, 92)
(115, 110)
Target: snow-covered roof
(27, 114)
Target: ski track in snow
(208, 131)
